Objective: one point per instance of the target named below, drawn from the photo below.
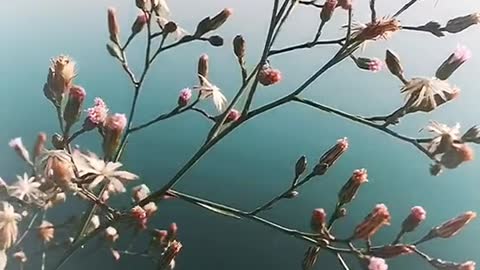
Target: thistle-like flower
(444, 137)
(426, 94)
(26, 189)
(207, 90)
(453, 62)
(380, 29)
(184, 97)
(96, 115)
(97, 171)
(8, 225)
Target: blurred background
(255, 162)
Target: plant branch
(306, 45)
(405, 7)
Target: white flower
(26, 189)
(101, 171)
(207, 90)
(17, 145)
(425, 90)
(8, 225)
(442, 131)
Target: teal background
(256, 161)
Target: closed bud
(113, 27)
(111, 234)
(446, 265)
(73, 109)
(394, 65)
(318, 220)
(57, 141)
(139, 23)
(327, 10)
(203, 68)
(113, 130)
(232, 116)
(170, 27)
(300, 166)
(453, 62)
(239, 46)
(269, 76)
(450, 228)
(372, 223)
(184, 97)
(351, 187)
(391, 251)
(114, 51)
(216, 41)
(17, 145)
(329, 158)
(292, 194)
(472, 135)
(209, 24)
(39, 144)
(459, 24)
(412, 221)
(60, 78)
(141, 4)
(370, 64)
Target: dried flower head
(46, 231)
(380, 29)
(8, 225)
(207, 90)
(445, 137)
(422, 92)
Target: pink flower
(268, 76)
(329, 158)
(98, 113)
(419, 213)
(140, 216)
(139, 23)
(373, 222)
(375, 65)
(360, 176)
(233, 115)
(377, 264)
(184, 97)
(417, 216)
(327, 10)
(453, 226)
(116, 122)
(350, 189)
(461, 54)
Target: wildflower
(96, 115)
(139, 23)
(8, 225)
(327, 10)
(74, 104)
(351, 187)
(17, 145)
(445, 137)
(453, 62)
(456, 155)
(46, 231)
(26, 189)
(111, 234)
(113, 130)
(459, 24)
(202, 67)
(99, 171)
(373, 222)
(207, 90)
(233, 116)
(330, 157)
(422, 93)
(268, 76)
(20, 256)
(417, 216)
(373, 65)
(60, 78)
(379, 29)
(113, 26)
(184, 97)
(318, 220)
(377, 264)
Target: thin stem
(204, 113)
(398, 238)
(159, 118)
(306, 45)
(130, 38)
(60, 119)
(311, 3)
(75, 135)
(342, 261)
(405, 7)
(29, 227)
(373, 11)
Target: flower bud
(139, 23)
(114, 51)
(453, 62)
(113, 26)
(233, 116)
(417, 216)
(170, 27)
(96, 115)
(141, 4)
(269, 76)
(330, 157)
(394, 65)
(300, 166)
(459, 24)
(375, 263)
(140, 192)
(184, 97)
(310, 258)
(373, 222)
(387, 252)
(73, 109)
(113, 130)
(351, 187)
(111, 234)
(345, 4)
(17, 145)
(456, 155)
(318, 220)
(472, 135)
(328, 9)
(216, 41)
(150, 208)
(453, 226)
(202, 67)
(57, 141)
(46, 231)
(209, 24)
(60, 78)
(39, 144)
(20, 256)
(373, 65)
(239, 46)
(446, 265)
